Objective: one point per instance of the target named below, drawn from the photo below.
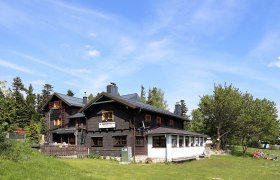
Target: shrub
(273, 147)
(15, 151)
(94, 156)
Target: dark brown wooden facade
(108, 124)
(128, 125)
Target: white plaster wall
(173, 152)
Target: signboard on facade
(107, 125)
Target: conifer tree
(143, 94)
(70, 93)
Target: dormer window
(148, 118)
(57, 122)
(55, 105)
(107, 116)
(158, 121)
(171, 122)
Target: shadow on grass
(237, 151)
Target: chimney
(85, 98)
(112, 89)
(177, 110)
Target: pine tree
(70, 93)
(143, 95)
(21, 118)
(90, 97)
(45, 94)
(184, 108)
(156, 98)
(33, 115)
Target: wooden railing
(65, 151)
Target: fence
(16, 136)
(69, 151)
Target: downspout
(165, 147)
(134, 139)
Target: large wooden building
(110, 122)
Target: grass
(222, 166)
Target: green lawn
(222, 166)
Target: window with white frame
(174, 141)
(181, 141)
(187, 141)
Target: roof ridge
(68, 96)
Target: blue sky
(182, 47)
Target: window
(56, 104)
(119, 140)
(174, 141)
(187, 141)
(159, 142)
(181, 141)
(57, 122)
(139, 141)
(192, 141)
(171, 122)
(97, 141)
(201, 141)
(196, 141)
(158, 121)
(107, 116)
(148, 118)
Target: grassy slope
(225, 167)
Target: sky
(183, 47)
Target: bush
(94, 156)
(15, 151)
(273, 147)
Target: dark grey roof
(132, 98)
(165, 130)
(132, 101)
(71, 101)
(77, 115)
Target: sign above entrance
(107, 125)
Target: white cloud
(93, 53)
(275, 63)
(79, 71)
(92, 35)
(72, 71)
(38, 82)
(80, 9)
(126, 45)
(266, 47)
(16, 67)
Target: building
(110, 122)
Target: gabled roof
(69, 100)
(165, 130)
(132, 101)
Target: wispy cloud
(10, 16)
(266, 47)
(93, 53)
(275, 63)
(72, 71)
(7, 64)
(80, 9)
